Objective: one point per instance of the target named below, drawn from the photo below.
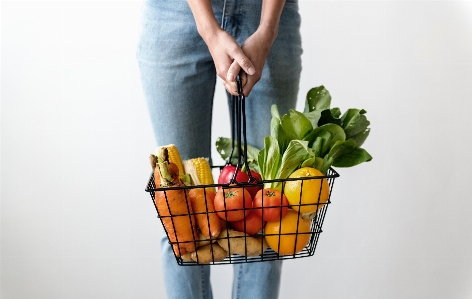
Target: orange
(311, 197)
(292, 237)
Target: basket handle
(238, 132)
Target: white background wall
(75, 139)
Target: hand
(229, 58)
(225, 51)
(257, 48)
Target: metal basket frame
(269, 254)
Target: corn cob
(174, 157)
(199, 170)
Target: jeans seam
(223, 15)
(203, 278)
(238, 288)
(241, 11)
(211, 119)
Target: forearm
(270, 17)
(207, 25)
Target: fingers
(230, 82)
(250, 82)
(233, 70)
(244, 78)
(244, 62)
(246, 81)
(231, 86)
(241, 65)
(229, 59)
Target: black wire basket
(292, 231)
(240, 241)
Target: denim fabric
(178, 78)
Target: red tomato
(232, 204)
(253, 190)
(227, 173)
(254, 224)
(242, 177)
(256, 175)
(272, 203)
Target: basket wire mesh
(268, 254)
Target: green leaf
(336, 112)
(269, 158)
(329, 133)
(313, 117)
(337, 134)
(252, 153)
(274, 111)
(278, 132)
(347, 154)
(317, 98)
(310, 162)
(254, 166)
(327, 162)
(224, 146)
(315, 162)
(341, 148)
(296, 125)
(297, 152)
(359, 138)
(354, 121)
(353, 158)
(330, 116)
(320, 140)
(321, 165)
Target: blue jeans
(178, 77)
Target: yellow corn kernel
(199, 170)
(174, 157)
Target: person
(184, 46)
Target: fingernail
(251, 71)
(230, 77)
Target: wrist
(208, 31)
(208, 28)
(269, 31)
(207, 25)
(270, 17)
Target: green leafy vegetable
(295, 154)
(278, 132)
(354, 122)
(296, 125)
(313, 117)
(356, 156)
(329, 134)
(269, 158)
(359, 138)
(319, 137)
(317, 98)
(330, 116)
(224, 146)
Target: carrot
(181, 230)
(202, 204)
(174, 208)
